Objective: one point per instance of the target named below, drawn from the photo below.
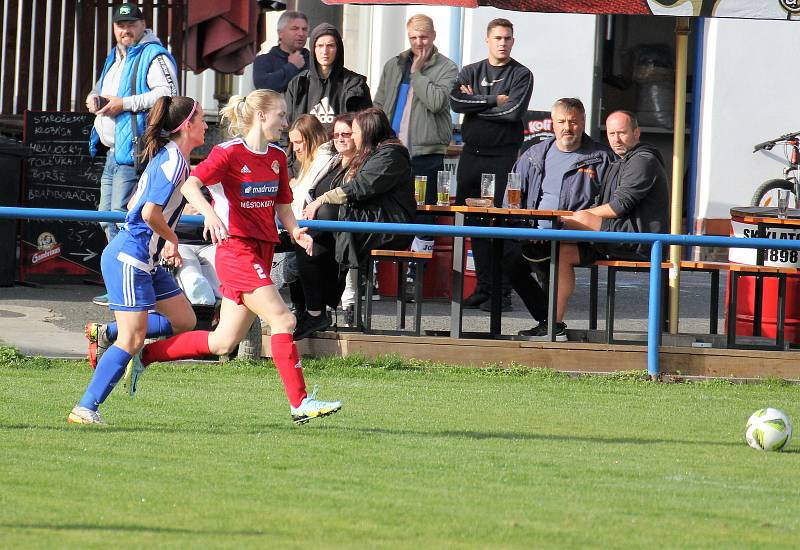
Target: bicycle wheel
(767, 193)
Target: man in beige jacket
(414, 93)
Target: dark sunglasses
(343, 135)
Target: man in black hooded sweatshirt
(493, 94)
(326, 89)
(634, 198)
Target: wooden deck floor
(562, 356)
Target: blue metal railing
(657, 240)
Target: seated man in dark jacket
(561, 173)
(634, 198)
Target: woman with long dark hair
(377, 186)
(135, 281)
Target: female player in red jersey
(248, 180)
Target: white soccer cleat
(82, 415)
(311, 407)
(133, 371)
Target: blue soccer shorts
(133, 289)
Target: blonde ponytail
(239, 113)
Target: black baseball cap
(127, 12)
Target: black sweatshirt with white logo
(489, 129)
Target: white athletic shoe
(82, 415)
(311, 407)
(133, 371)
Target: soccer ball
(768, 430)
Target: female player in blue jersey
(135, 282)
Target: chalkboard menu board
(60, 174)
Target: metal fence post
(654, 310)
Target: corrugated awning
(221, 35)
(738, 9)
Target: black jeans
(320, 275)
(470, 168)
(523, 282)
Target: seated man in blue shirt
(560, 173)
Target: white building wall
(540, 45)
(749, 95)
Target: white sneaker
(82, 415)
(311, 407)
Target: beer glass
(487, 187)
(420, 186)
(443, 188)
(514, 191)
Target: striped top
(160, 184)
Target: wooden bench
(713, 269)
(401, 258)
(614, 266)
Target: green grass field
(421, 456)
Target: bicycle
(766, 194)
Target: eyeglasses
(342, 135)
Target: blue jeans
(117, 185)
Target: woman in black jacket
(376, 187)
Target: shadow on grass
(129, 529)
(434, 434)
(514, 436)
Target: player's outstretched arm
(289, 222)
(212, 225)
(153, 215)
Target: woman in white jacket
(313, 152)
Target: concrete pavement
(49, 320)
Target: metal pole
(678, 149)
(654, 311)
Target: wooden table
(461, 215)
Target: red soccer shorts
(243, 265)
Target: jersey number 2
(260, 271)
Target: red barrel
(745, 307)
(744, 222)
(470, 278)
(438, 272)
